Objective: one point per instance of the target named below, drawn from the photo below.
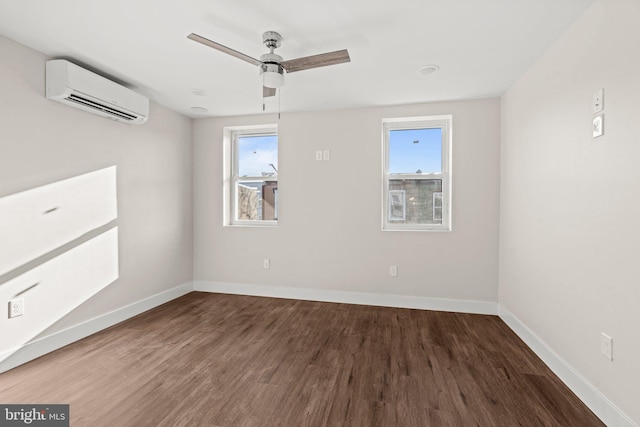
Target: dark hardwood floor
(226, 360)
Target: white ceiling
(481, 47)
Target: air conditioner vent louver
(91, 104)
(76, 87)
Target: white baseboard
(46, 344)
(611, 415)
(360, 298)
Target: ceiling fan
(272, 66)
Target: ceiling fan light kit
(271, 70)
(272, 75)
(272, 66)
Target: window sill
(260, 224)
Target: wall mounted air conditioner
(79, 88)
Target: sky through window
(256, 154)
(413, 150)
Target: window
(437, 206)
(252, 193)
(396, 205)
(417, 173)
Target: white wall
(43, 141)
(569, 234)
(329, 232)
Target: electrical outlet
(266, 263)
(16, 307)
(326, 155)
(598, 125)
(319, 155)
(393, 270)
(606, 346)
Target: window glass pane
(418, 201)
(257, 200)
(415, 150)
(257, 155)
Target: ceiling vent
(79, 88)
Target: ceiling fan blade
(268, 91)
(223, 48)
(315, 61)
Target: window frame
(444, 122)
(232, 179)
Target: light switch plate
(598, 101)
(606, 346)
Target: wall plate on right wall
(598, 101)
(598, 125)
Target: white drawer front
(37, 221)
(62, 284)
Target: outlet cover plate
(598, 125)
(393, 270)
(16, 307)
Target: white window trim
(231, 178)
(445, 123)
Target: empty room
(337, 213)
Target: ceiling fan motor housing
(271, 39)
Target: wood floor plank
(229, 360)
